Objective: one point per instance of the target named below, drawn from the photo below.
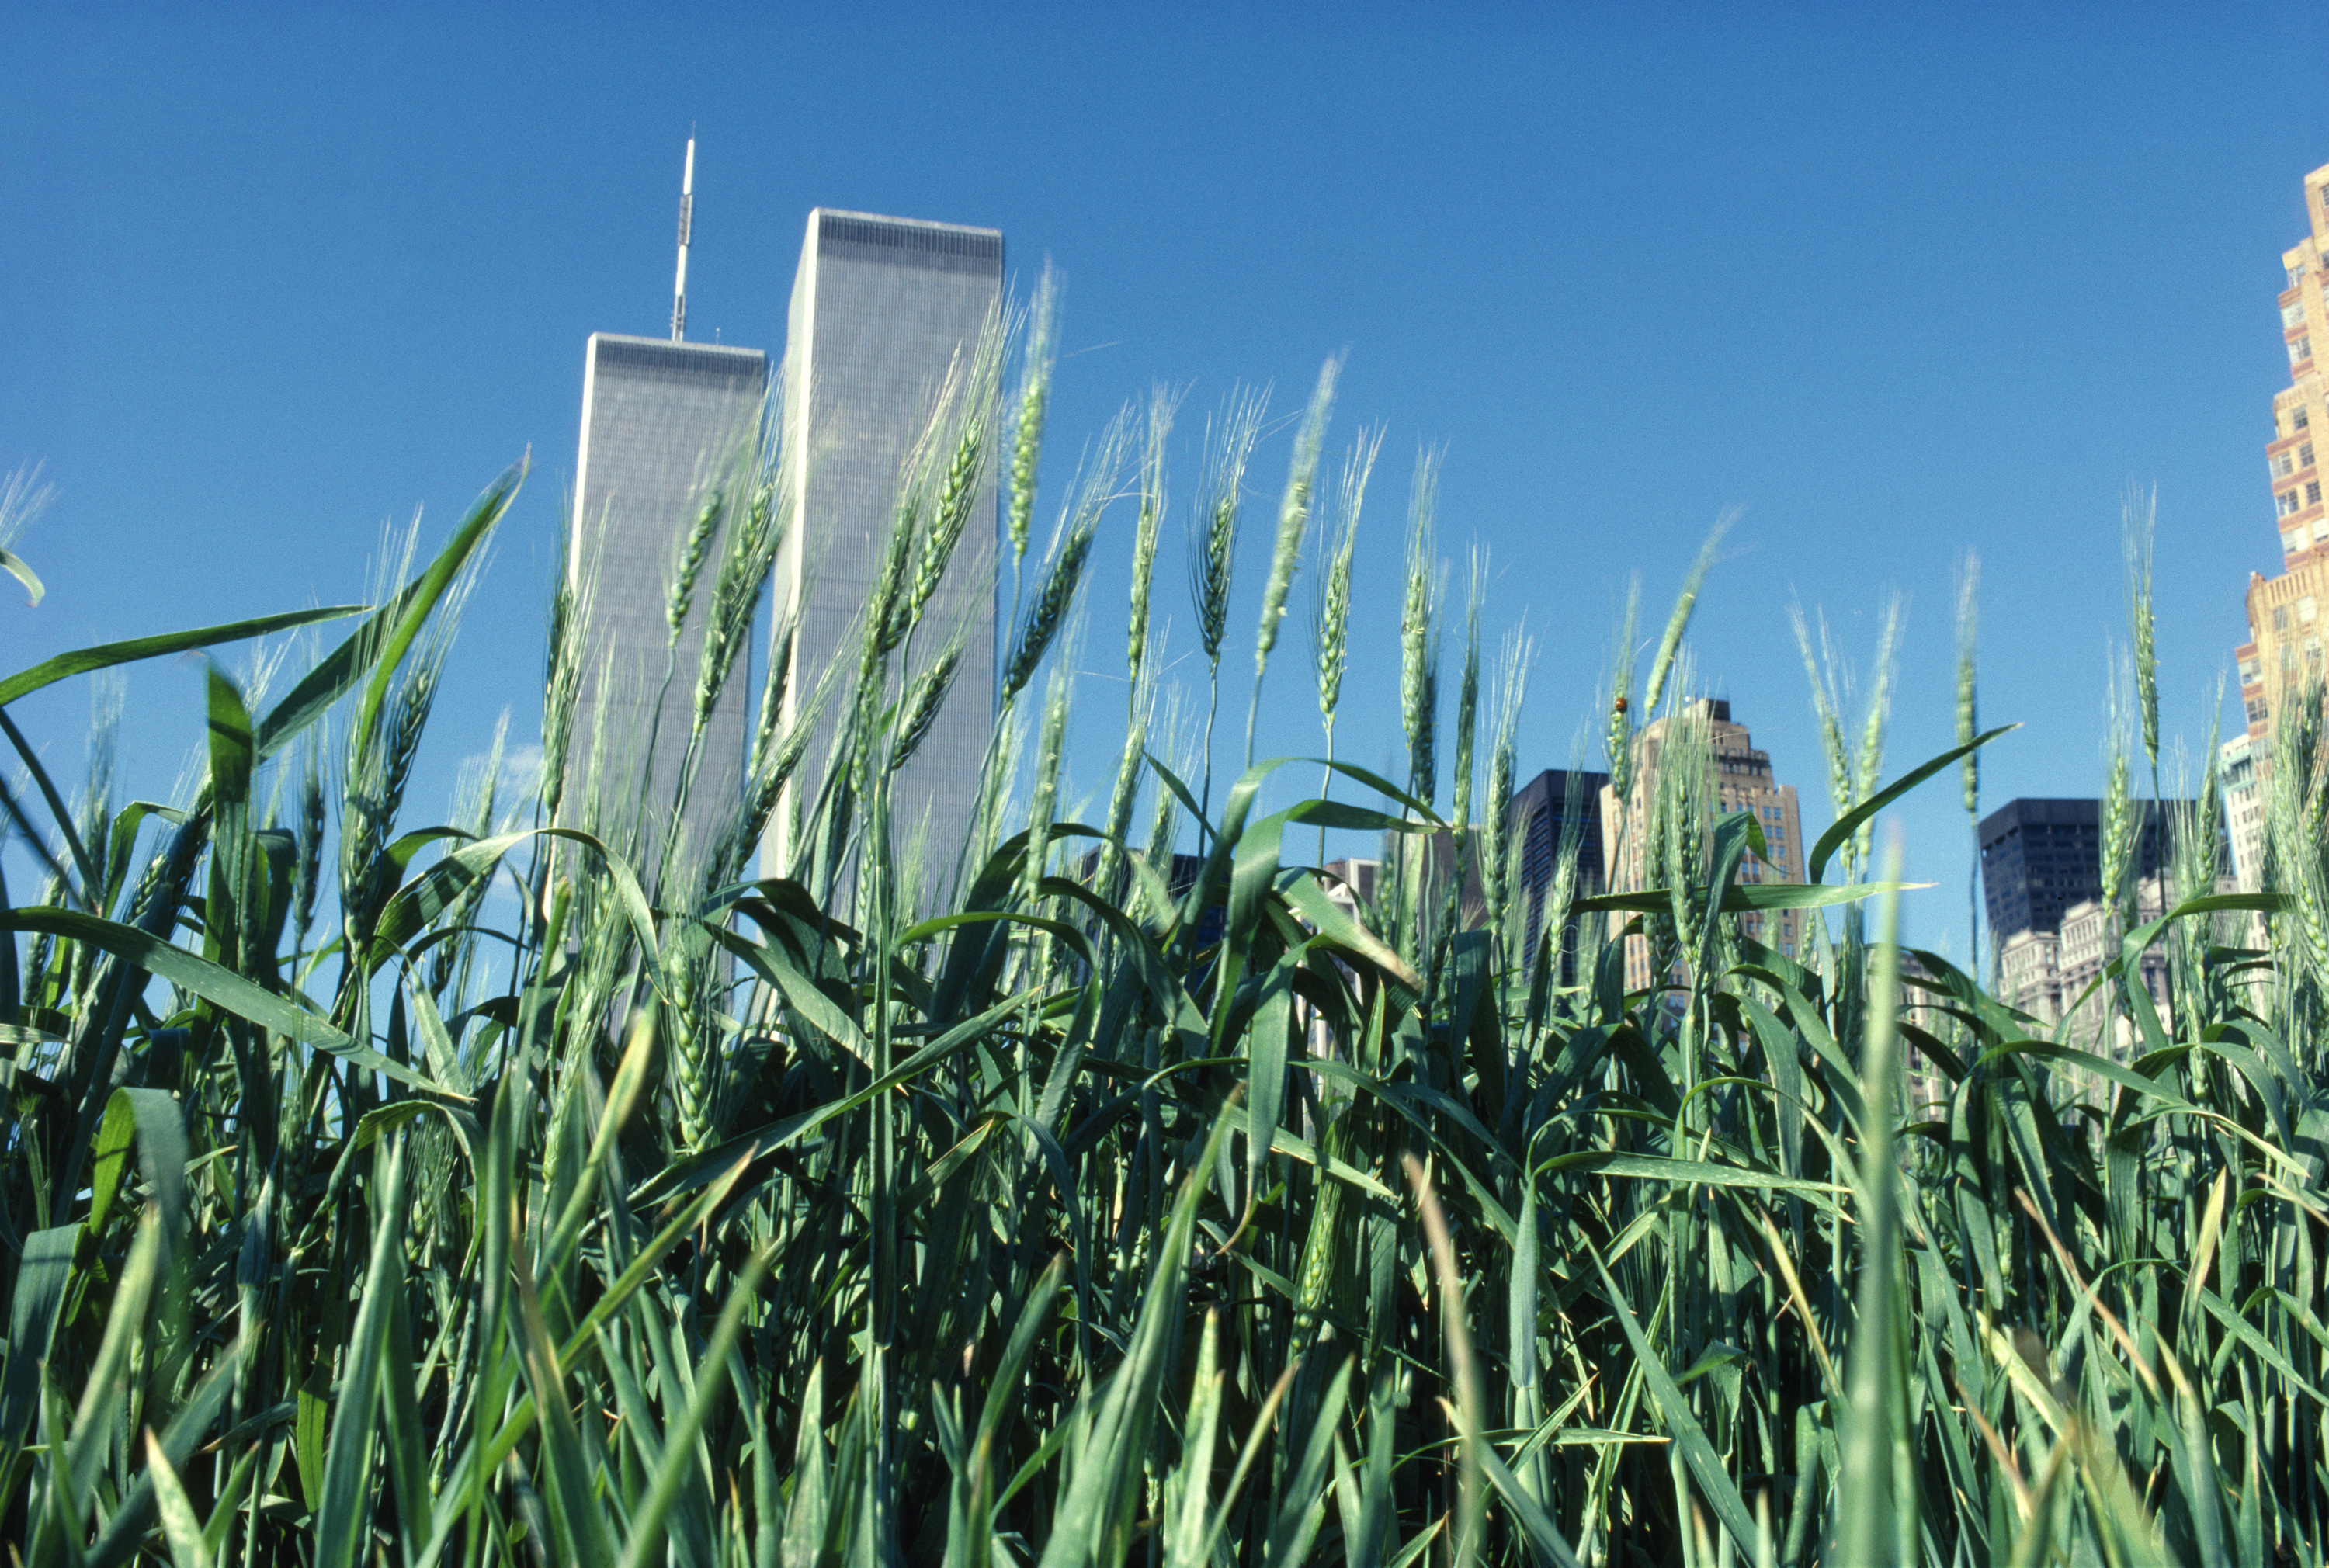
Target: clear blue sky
(1897, 281)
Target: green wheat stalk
(1969, 726)
(1502, 837)
(1869, 764)
(1071, 543)
(1418, 636)
(2119, 810)
(1293, 521)
(1618, 727)
(1162, 405)
(1230, 437)
(1029, 406)
(1468, 703)
(1685, 603)
(1823, 670)
(1330, 613)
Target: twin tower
(882, 307)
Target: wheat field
(532, 1186)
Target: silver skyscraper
(662, 425)
(881, 308)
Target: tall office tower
(1541, 809)
(2282, 655)
(1740, 778)
(663, 424)
(881, 308)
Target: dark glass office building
(2040, 857)
(1542, 808)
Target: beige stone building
(1738, 778)
(2030, 973)
(2045, 972)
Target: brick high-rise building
(881, 307)
(2300, 413)
(2282, 655)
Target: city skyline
(178, 355)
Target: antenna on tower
(686, 221)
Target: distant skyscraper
(2038, 858)
(665, 424)
(2244, 815)
(1740, 779)
(881, 307)
(661, 421)
(1539, 809)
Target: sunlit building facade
(881, 307)
(2300, 412)
(1740, 778)
(2244, 810)
(2283, 656)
